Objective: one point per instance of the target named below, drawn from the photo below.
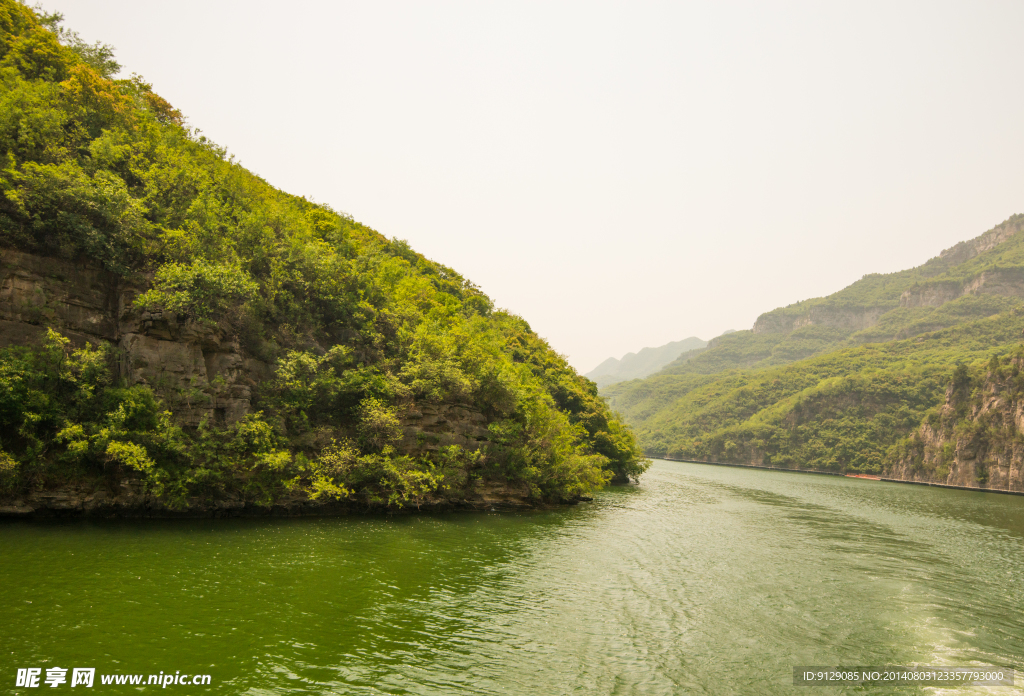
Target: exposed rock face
(1007, 282)
(128, 499)
(931, 295)
(771, 322)
(849, 319)
(989, 455)
(434, 426)
(195, 368)
(198, 369)
(965, 251)
(36, 292)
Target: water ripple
(703, 580)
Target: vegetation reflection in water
(701, 580)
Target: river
(703, 580)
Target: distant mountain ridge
(976, 278)
(646, 362)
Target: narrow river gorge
(703, 579)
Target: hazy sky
(620, 174)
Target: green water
(701, 580)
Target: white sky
(620, 174)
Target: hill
(839, 382)
(880, 307)
(647, 361)
(180, 335)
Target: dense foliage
(357, 327)
(826, 393)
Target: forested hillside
(839, 382)
(173, 321)
(880, 307)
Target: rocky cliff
(967, 250)
(200, 371)
(1005, 282)
(976, 438)
(849, 319)
(128, 497)
(862, 305)
(198, 367)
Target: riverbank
(129, 500)
(835, 473)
